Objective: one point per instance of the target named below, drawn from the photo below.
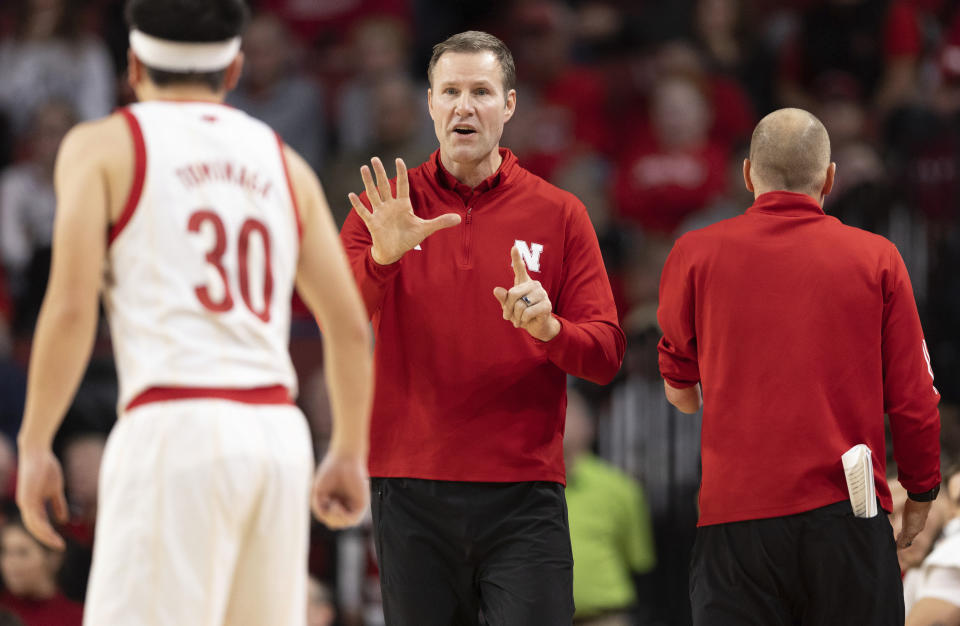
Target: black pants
(455, 553)
(821, 567)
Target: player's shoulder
(97, 141)
(304, 183)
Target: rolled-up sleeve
(676, 316)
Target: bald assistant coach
(796, 334)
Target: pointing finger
(383, 182)
(519, 269)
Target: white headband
(182, 56)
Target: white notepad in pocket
(858, 468)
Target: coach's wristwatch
(925, 496)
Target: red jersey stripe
(139, 174)
(275, 394)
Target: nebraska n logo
(530, 254)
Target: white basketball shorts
(203, 517)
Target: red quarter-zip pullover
(803, 332)
(461, 394)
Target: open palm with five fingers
(393, 226)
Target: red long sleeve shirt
(803, 332)
(461, 394)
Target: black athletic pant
(817, 568)
(469, 554)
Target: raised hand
(527, 304)
(341, 490)
(393, 226)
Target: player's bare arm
(393, 226)
(527, 305)
(340, 492)
(90, 161)
(687, 400)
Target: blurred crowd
(641, 108)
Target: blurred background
(641, 108)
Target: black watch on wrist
(926, 496)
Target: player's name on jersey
(202, 173)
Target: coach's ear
(828, 181)
(747, 180)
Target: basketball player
(204, 221)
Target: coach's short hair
(193, 21)
(790, 151)
(477, 41)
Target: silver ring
(526, 301)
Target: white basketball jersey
(202, 261)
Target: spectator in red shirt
(29, 572)
(673, 169)
(802, 333)
(732, 113)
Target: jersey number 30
(215, 258)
